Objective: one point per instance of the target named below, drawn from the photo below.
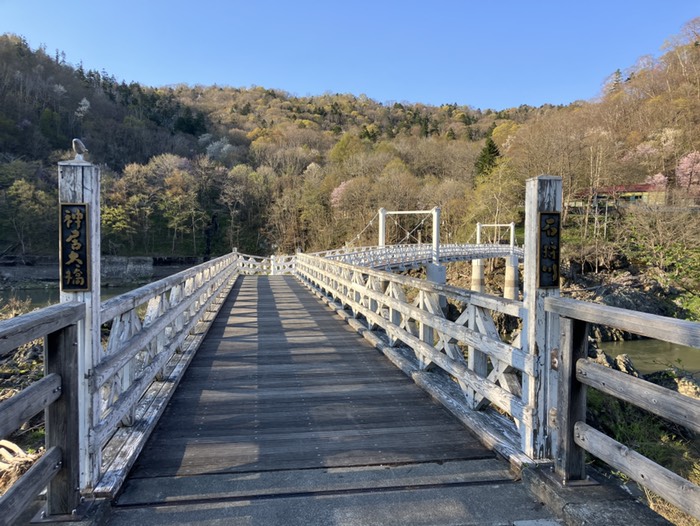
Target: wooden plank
(27, 488)
(663, 402)
(27, 403)
(123, 449)
(512, 356)
(674, 488)
(292, 406)
(37, 324)
(133, 345)
(681, 332)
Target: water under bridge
(329, 389)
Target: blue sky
(483, 54)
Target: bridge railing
(57, 393)
(409, 256)
(150, 331)
(261, 265)
(577, 373)
(409, 312)
(149, 337)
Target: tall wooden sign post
(79, 253)
(543, 204)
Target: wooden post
(570, 459)
(540, 331)
(79, 182)
(63, 495)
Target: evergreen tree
(487, 158)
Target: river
(43, 297)
(654, 355)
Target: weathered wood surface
(24, 491)
(407, 323)
(121, 451)
(280, 383)
(22, 329)
(57, 393)
(570, 463)
(681, 332)
(660, 480)
(663, 402)
(16, 410)
(540, 334)
(63, 493)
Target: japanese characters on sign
(548, 264)
(75, 265)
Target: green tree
(487, 158)
(30, 214)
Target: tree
(180, 207)
(688, 173)
(662, 237)
(117, 227)
(30, 213)
(487, 158)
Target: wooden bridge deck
(286, 413)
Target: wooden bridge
(231, 394)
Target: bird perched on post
(79, 149)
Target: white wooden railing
(149, 337)
(483, 379)
(418, 337)
(401, 257)
(402, 316)
(260, 265)
(153, 332)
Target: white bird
(79, 148)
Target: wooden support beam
(540, 335)
(62, 421)
(569, 464)
(79, 182)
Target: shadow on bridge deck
(287, 416)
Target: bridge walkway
(287, 416)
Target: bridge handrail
(408, 255)
(113, 307)
(380, 298)
(577, 372)
(57, 393)
(149, 327)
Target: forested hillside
(201, 169)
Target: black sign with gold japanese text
(75, 265)
(548, 259)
